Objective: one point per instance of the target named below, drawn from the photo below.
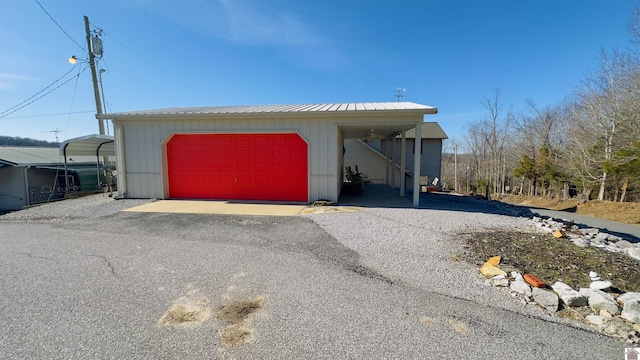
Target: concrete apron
(219, 207)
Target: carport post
(393, 162)
(386, 156)
(403, 165)
(416, 165)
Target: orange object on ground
(495, 261)
(534, 281)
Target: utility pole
(455, 168)
(94, 76)
(96, 91)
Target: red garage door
(238, 166)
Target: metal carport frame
(88, 145)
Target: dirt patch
(627, 212)
(239, 311)
(188, 310)
(552, 259)
(236, 335)
(238, 315)
(458, 326)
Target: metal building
(265, 152)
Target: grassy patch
(552, 259)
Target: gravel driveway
(80, 279)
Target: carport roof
(88, 145)
(35, 156)
(280, 109)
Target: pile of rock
(614, 314)
(586, 236)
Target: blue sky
(169, 53)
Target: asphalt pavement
(626, 231)
(95, 288)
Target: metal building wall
(145, 165)
(13, 194)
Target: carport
(88, 145)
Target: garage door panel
(238, 166)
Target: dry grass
(179, 314)
(237, 316)
(236, 336)
(628, 213)
(239, 311)
(187, 310)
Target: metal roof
(88, 145)
(281, 109)
(35, 156)
(430, 130)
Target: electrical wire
(159, 68)
(36, 94)
(144, 82)
(44, 115)
(23, 104)
(66, 130)
(60, 27)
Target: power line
(60, 27)
(7, 112)
(144, 82)
(45, 115)
(36, 94)
(159, 68)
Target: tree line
(18, 141)
(587, 146)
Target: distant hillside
(18, 141)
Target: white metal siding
(143, 155)
(13, 194)
(368, 161)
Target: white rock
(517, 276)
(521, 287)
(594, 276)
(500, 280)
(545, 298)
(600, 285)
(594, 319)
(580, 242)
(601, 237)
(634, 252)
(619, 327)
(569, 296)
(589, 231)
(613, 248)
(624, 244)
(599, 300)
(630, 296)
(632, 305)
(586, 292)
(631, 316)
